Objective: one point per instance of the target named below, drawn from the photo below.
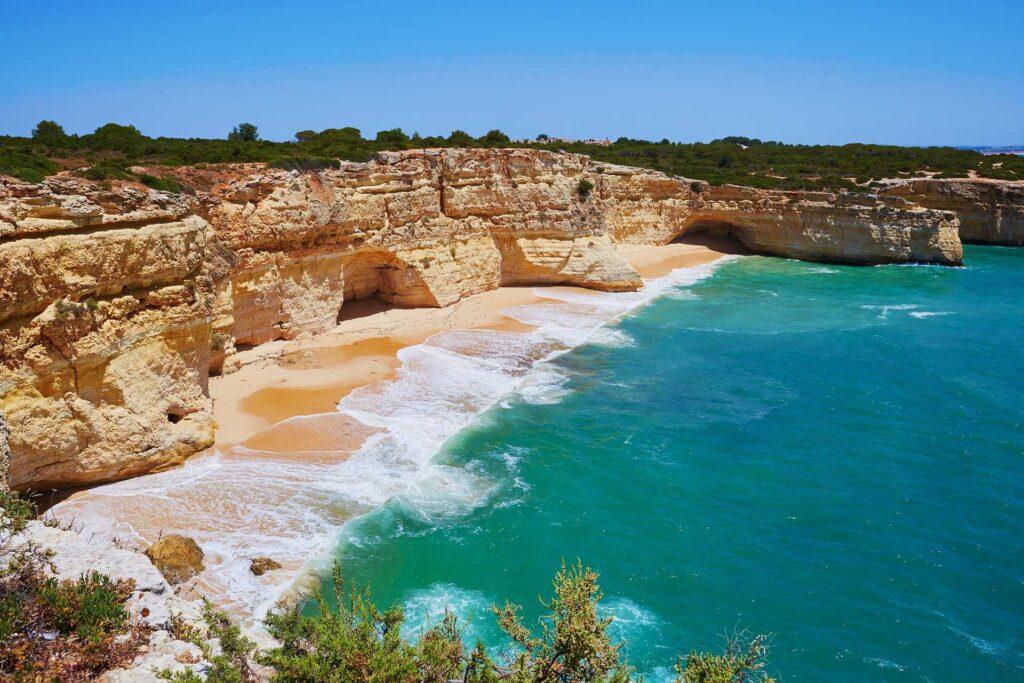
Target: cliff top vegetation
(111, 149)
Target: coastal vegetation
(112, 149)
(57, 630)
(75, 629)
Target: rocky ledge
(990, 211)
(153, 603)
(117, 302)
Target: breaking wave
(242, 503)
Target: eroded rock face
(118, 301)
(650, 208)
(105, 302)
(990, 211)
(417, 228)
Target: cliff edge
(117, 302)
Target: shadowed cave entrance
(716, 235)
(376, 281)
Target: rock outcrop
(178, 557)
(261, 565)
(990, 211)
(646, 207)
(117, 302)
(153, 602)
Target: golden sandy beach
(308, 376)
(279, 431)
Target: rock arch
(381, 274)
(722, 233)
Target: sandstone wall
(422, 228)
(117, 301)
(104, 331)
(646, 207)
(990, 211)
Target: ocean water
(830, 454)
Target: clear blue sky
(937, 72)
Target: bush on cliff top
(739, 160)
(25, 165)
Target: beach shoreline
(309, 375)
(271, 484)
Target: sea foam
(242, 504)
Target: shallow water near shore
(832, 454)
(290, 490)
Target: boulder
(261, 565)
(178, 558)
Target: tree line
(111, 149)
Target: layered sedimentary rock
(990, 211)
(104, 331)
(423, 228)
(117, 301)
(645, 208)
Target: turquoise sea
(830, 454)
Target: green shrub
(16, 512)
(355, 641)
(584, 187)
(106, 170)
(743, 660)
(394, 137)
(117, 138)
(352, 640)
(25, 166)
(494, 138)
(346, 638)
(244, 132)
(460, 138)
(160, 183)
(91, 607)
(574, 644)
(740, 160)
(49, 133)
(85, 620)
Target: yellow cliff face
(645, 207)
(990, 211)
(117, 301)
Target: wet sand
(278, 428)
(310, 375)
(281, 380)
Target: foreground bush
(56, 630)
(358, 642)
(75, 630)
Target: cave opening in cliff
(375, 281)
(717, 235)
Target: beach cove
(268, 487)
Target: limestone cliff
(104, 331)
(647, 207)
(118, 301)
(990, 211)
